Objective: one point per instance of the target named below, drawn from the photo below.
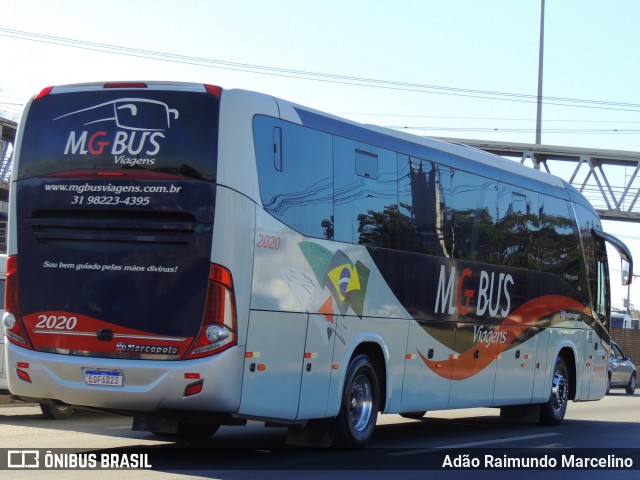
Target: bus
(194, 256)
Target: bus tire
(356, 421)
(552, 412)
(54, 411)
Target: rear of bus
(112, 299)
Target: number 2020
(268, 241)
(56, 322)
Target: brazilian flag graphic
(346, 281)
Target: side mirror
(623, 250)
(626, 274)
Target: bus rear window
(171, 132)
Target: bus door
(595, 364)
(273, 364)
(287, 366)
(596, 356)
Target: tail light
(43, 93)
(218, 331)
(213, 90)
(12, 318)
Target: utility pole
(540, 67)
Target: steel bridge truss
(609, 179)
(7, 137)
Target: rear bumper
(148, 385)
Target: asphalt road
(400, 447)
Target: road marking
(476, 444)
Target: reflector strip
(23, 375)
(193, 389)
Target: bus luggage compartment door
(273, 364)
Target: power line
(595, 131)
(456, 117)
(318, 76)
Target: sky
(448, 68)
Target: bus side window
(424, 211)
(588, 221)
(475, 207)
(518, 223)
(556, 243)
(366, 194)
(295, 174)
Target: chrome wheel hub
(361, 403)
(559, 392)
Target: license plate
(106, 378)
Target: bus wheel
(552, 412)
(413, 415)
(54, 411)
(356, 421)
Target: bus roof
(415, 145)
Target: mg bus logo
(492, 293)
(139, 126)
(138, 114)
